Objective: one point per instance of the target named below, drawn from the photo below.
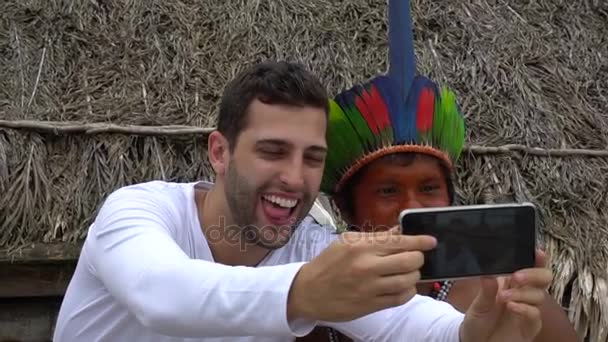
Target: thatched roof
(527, 73)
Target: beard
(243, 197)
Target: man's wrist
(299, 308)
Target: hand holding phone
(358, 274)
(475, 240)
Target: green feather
(450, 131)
(365, 134)
(438, 124)
(342, 142)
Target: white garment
(321, 215)
(146, 273)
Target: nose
(411, 201)
(292, 174)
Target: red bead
(436, 286)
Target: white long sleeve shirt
(146, 273)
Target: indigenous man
(393, 144)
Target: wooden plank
(35, 280)
(28, 319)
(42, 253)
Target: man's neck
(227, 247)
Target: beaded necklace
(441, 290)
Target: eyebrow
(317, 149)
(283, 143)
(432, 178)
(272, 142)
(391, 181)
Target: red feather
(367, 113)
(426, 110)
(379, 107)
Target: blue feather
(404, 127)
(402, 60)
(413, 98)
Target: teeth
(280, 201)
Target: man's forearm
(421, 319)
(212, 300)
(556, 326)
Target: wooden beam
(35, 280)
(56, 252)
(37, 270)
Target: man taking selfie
(230, 261)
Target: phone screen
(474, 242)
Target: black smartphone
(474, 240)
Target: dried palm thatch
(528, 73)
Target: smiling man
(230, 261)
(257, 196)
(268, 152)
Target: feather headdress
(397, 112)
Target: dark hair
(271, 83)
(345, 196)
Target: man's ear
(218, 150)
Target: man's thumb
(480, 318)
(485, 301)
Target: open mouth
(279, 210)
